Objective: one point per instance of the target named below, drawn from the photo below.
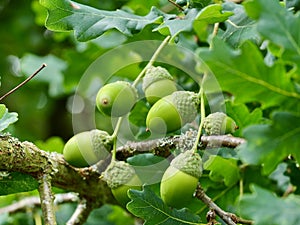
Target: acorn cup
(157, 83)
(172, 112)
(180, 180)
(87, 148)
(120, 177)
(219, 123)
(116, 99)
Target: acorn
(157, 83)
(87, 148)
(219, 123)
(172, 112)
(116, 99)
(120, 177)
(180, 180)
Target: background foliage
(255, 58)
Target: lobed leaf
(89, 23)
(146, 205)
(244, 74)
(175, 26)
(265, 208)
(278, 25)
(270, 144)
(239, 27)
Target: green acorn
(120, 177)
(172, 112)
(157, 83)
(87, 148)
(180, 180)
(116, 99)
(219, 123)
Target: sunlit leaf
(89, 23)
(222, 169)
(209, 15)
(6, 118)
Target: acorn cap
(154, 74)
(186, 103)
(118, 173)
(102, 142)
(219, 123)
(188, 162)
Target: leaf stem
(24, 82)
(202, 116)
(151, 61)
(134, 84)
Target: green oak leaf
(6, 118)
(278, 25)
(222, 169)
(89, 23)
(146, 205)
(242, 116)
(209, 15)
(265, 208)
(269, 144)
(180, 24)
(244, 74)
(239, 27)
(16, 182)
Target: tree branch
(46, 197)
(229, 218)
(163, 147)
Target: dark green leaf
(265, 208)
(222, 169)
(139, 113)
(16, 182)
(270, 144)
(278, 25)
(6, 118)
(89, 23)
(239, 27)
(244, 74)
(145, 204)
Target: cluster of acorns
(170, 110)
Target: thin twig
(24, 82)
(229, 218)
(47, 198)
(175, 4)
(81, 213)
(34, 202)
